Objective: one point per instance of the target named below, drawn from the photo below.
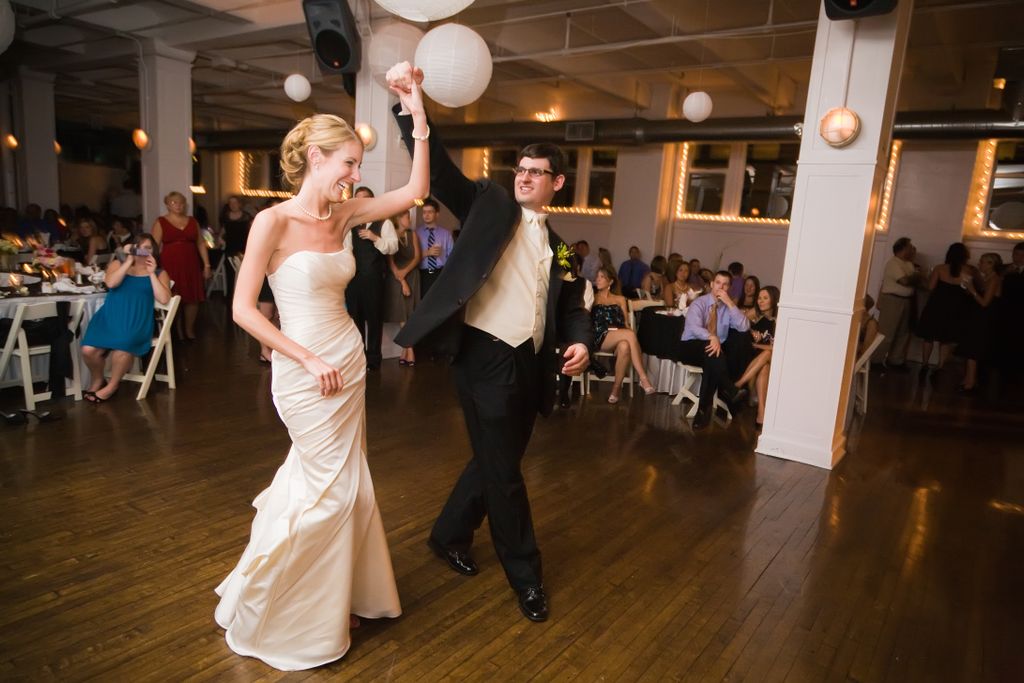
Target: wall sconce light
(57, 149)
(367, 134)
(839, 126)
(191, 146)
(10, 141)
(140, 138)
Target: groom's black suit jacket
(488, 218)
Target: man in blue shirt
(436, 243)
(707, 343)
(632, 272)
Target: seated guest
(123, 327)
(604, 258)
(611, 334)
(632, 272)
(671, 267)
(943, 316)
(763, 333)
(680, 294)
(31, 224)
(58, 231)
(736, 288)
(654, 282)
(868, 325)
(90, 241)
(748, 301)
(705, 277)
(984, 290)
(120, 234)
(706, 343)
(695, 274)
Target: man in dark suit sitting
(499, 308)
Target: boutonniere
(564, 255)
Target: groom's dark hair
(545, 150)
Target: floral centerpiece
(48, 258)
(8, 254)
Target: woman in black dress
(942, 319)
(977, 343)
(612, 335)
(763, 332)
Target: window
(768, 179)
(601, 188)
(567, 195)
(705, 183)
(1006, 203)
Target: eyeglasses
(533, 172)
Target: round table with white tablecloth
(40, 364)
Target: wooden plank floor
(668, 555)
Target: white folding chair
(630, 377)
(861, 374)
(643, 294)
(635, 306)
(162, 346)
(219, 279)
(17, 343)
(688, 390)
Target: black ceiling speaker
(857, 9)
(333, 34)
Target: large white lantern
(424, 10)
(6, 25)
(839, 126)
(456, 65)
(297, 87)
(390, 44)
(697, 106)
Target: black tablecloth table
(659, 334)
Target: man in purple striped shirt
(707, 344)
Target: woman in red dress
(183, 249)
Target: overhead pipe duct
(965, 125)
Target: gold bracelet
(422, 138)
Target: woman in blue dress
(123, 327)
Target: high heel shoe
(648, 388)
(613, 399)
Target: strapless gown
(317, 551)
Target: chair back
(635, 306)
(22, 313)
(643, 294)
(865, 355)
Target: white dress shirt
(512, 303)
(895, 270)
(388, 242)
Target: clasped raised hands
(404, 80)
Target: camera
(142, 252)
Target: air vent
(579, 131)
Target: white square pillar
(165, 100)
(830, 237)
(36, 130)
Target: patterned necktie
(431, 263)
(713, 319)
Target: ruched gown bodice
(317, 550)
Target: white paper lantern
(697, 106)
(390, 44)
(297, 87)
(456, 65)
(6, 25)
(839, 126)
(424, 10)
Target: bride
(317, 551)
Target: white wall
(87, 184)
(760, 248)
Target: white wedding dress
(317, 552)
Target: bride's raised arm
(404, 81)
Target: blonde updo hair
(326, 131)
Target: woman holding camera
(123, 327)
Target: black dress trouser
(499, 389)
(364, 298)
(719, 371)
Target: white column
(36, 129)
(9, 178)
(165, 101)
(830, 237)
(388, 164)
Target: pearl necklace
(313, 215)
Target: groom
(499, 308)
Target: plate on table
(5, 279)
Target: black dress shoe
(738, 400)
(702, 419)
(533, 603)
(458, 561)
